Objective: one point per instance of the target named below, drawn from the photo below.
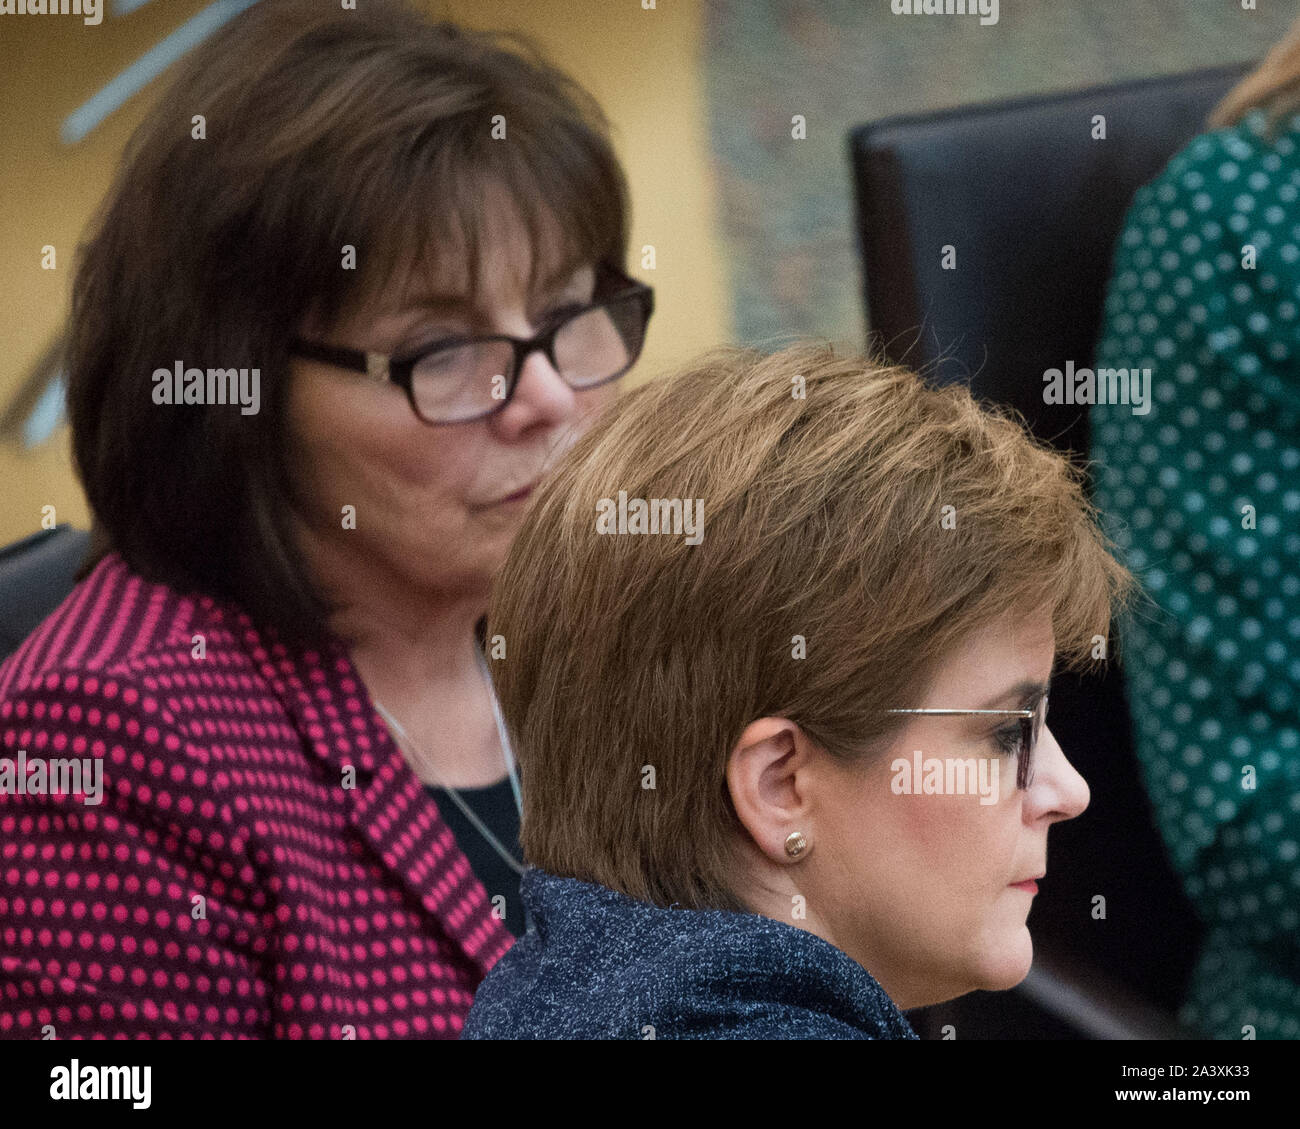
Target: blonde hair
(1273, 86)
(825, 482)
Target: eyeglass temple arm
(373, 364)
(954, 713)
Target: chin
(1009, 963)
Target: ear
(768, 775)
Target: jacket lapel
(331, 710)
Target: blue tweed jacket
(596, 964)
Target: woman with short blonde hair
(724, 715)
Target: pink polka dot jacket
(207, 834)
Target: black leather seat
(36, 574)
(1032, 205)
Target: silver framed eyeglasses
(462, 378)
(1031, 728)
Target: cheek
(926, 880)
(960, 853)
(977, 922)
(427, 464)
(957, 830)
(591, 404)
(353, 447)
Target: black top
(495, 806)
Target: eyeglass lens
(1030, 730)
(471, 380)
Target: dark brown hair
(325, 127)
(825, 482)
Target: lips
(517, 496)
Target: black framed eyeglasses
(462, 378)
(1031, 728)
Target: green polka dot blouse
(1202, 495)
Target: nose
(1058, 791)
(541, 400)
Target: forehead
(475, 259)
(1014, 649)
(504, 259)
(502, 278)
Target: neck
(771, 890)
(405, 636)
(404, 660)
(416, 651)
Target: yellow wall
(643, 66)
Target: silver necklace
(478, 824)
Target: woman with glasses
(792, 774)
(411, 238)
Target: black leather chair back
(1032, 205)
(36, 574)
